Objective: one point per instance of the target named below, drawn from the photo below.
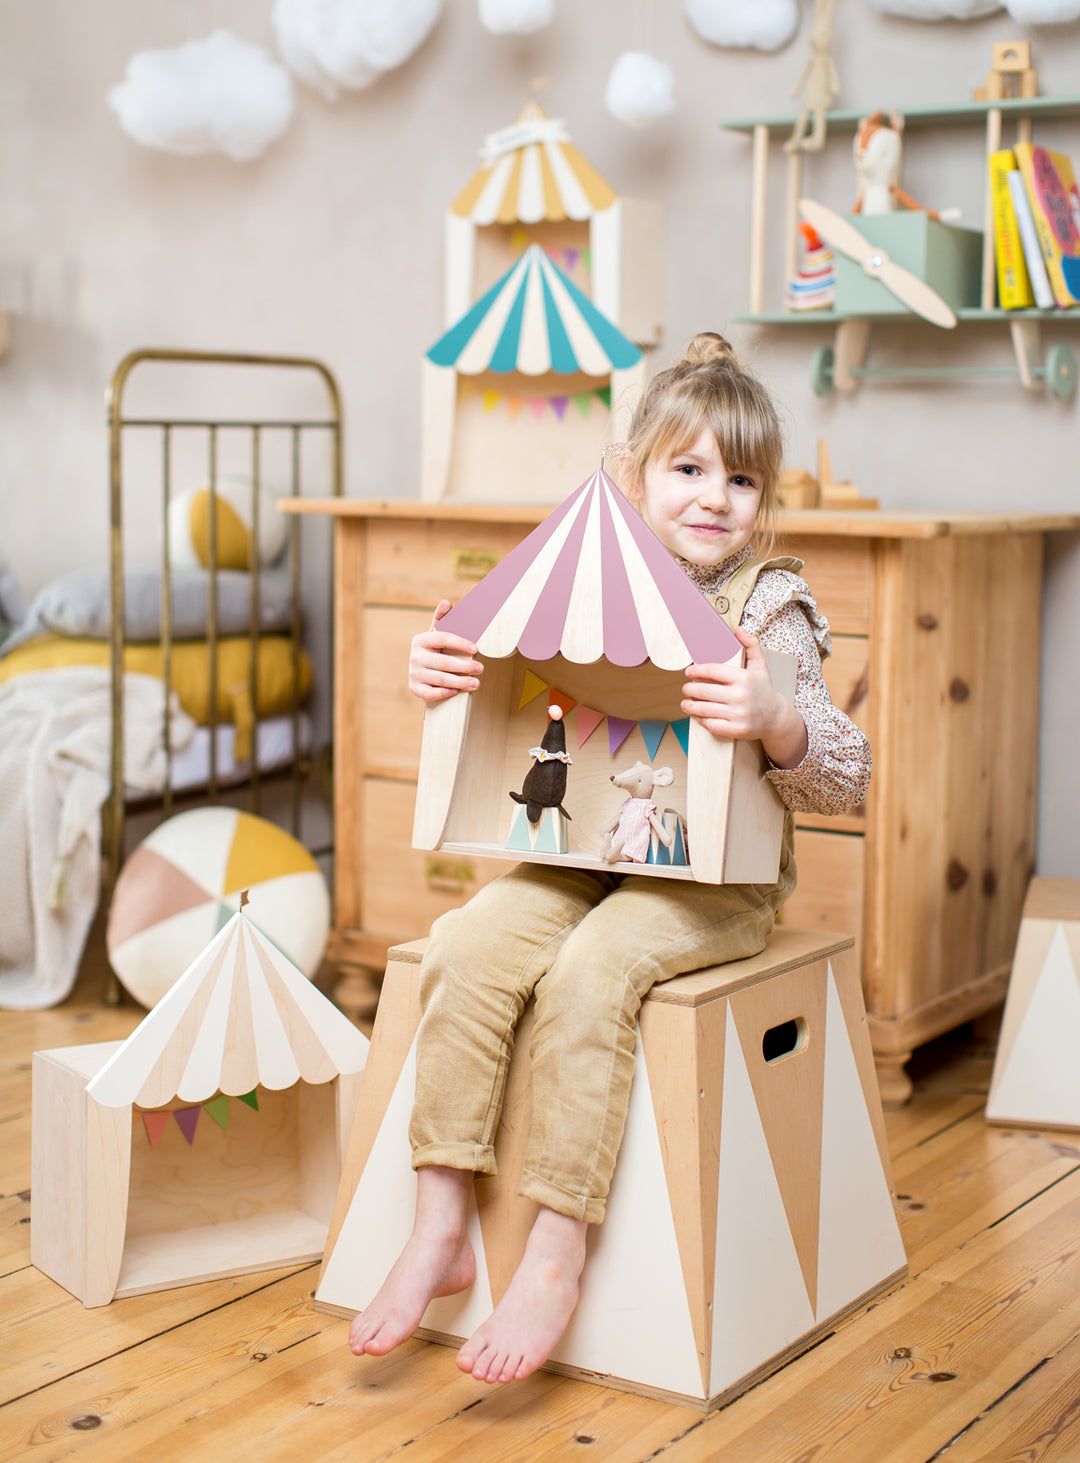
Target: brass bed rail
(119, 424)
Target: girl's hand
(440, 664)
(741, 702)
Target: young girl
(704, 460)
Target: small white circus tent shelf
(592, 604)
(249, 1189)
(534, 335)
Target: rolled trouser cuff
(574, 1206)
(472, 1157)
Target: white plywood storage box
(751, 1206)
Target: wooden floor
(976, 1358)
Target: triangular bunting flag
(224, 915)
(604, 394)
(618, 731)
(560, 699)
(559, 405)
(571, 256)
(587, 722)
(218, 1109)
(155, 1124)
(682, 731)
(586, 258)
(653, 732)
(531, 689)
(514, 405)
(186, 1119)
(538, 405)
(519, 239)
(583, 401)
(491, 400)
(251, 1098)
(466, 388)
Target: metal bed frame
(119, 424)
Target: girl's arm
(741, 702)
(834, 773)
(440, 664)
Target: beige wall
(330, 244)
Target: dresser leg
(356, 993)
(894, 1083)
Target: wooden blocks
(1036, 1078)
(1011, 73)
(751, 1206)
(208, 1143)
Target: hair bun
(708, 348)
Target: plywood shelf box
(263, 1073)
(591, 608)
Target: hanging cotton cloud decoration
(1043, 12)
(350, 43)
(640, 89)
(222, 94)
(761, 25)
(516, 17)
(937, 9)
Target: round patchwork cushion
(184, 882)
(189, 526)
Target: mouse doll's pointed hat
(593, 581)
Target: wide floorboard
(976, 1357)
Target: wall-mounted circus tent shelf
(842, 366)
(533, 331)
(533, 184)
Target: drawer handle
(448, 875)
(473, 563)
(784, 1040)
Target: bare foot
(526, 1325)
(437, 1260)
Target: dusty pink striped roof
(593, 581)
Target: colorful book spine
(1029, 239)
(1014, 287)
(1055, 208)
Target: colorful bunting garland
(187, 1118)
(538, 405)
(619, 727)
(567, 259)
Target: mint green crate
(948, 258)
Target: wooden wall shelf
(842, 366)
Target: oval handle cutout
(784, 1040)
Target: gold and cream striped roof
(532, 172)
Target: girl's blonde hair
(708, 388)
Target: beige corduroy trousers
(587, 947)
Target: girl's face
(698, 508)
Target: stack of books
(1036, 228)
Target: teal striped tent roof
(535, 320)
